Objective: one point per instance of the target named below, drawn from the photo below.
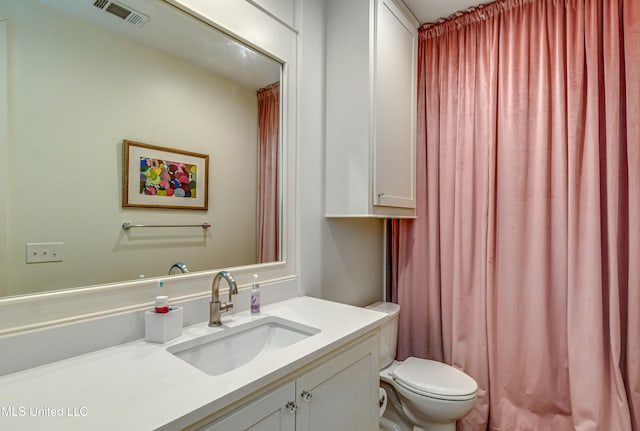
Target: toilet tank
(389, 332)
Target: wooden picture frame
(162, 177)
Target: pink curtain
(523, 267)
(268, 167)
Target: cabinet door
(394, 108)
(268, 413)
(341, 394)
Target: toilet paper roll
(382, 399)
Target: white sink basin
(233, 347)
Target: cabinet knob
(306, 396)
(291, 406)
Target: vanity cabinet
(271, 412)
(338, 393)
(371, 109)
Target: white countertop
(141, 386)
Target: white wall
(4, 156)
(65, 143)
(341, 259)
(284, 10)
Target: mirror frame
(253, 27)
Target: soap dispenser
(162, 323)
(255, 295)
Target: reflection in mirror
(81, 80)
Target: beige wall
(75, 93)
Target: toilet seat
(435, 380)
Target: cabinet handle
(306, 396)
(291, 406)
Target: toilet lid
(434, 379)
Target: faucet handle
(227, 306)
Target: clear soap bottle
(255, 295)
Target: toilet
(423, 395)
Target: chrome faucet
(178, 265)
(215, 306)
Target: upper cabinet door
(394, 108)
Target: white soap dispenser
(255, 295)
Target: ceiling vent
(122, 11)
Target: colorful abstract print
(165, 178)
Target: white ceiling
(431, 10)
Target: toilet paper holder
(382, 401)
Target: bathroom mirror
(85, 75)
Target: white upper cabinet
(371, 109)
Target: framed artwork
(161, 177)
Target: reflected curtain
(268, 167)
(268, 227)
(523, 267)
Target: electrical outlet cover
(39, 252)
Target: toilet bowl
(429, 395)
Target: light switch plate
(39, 252)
